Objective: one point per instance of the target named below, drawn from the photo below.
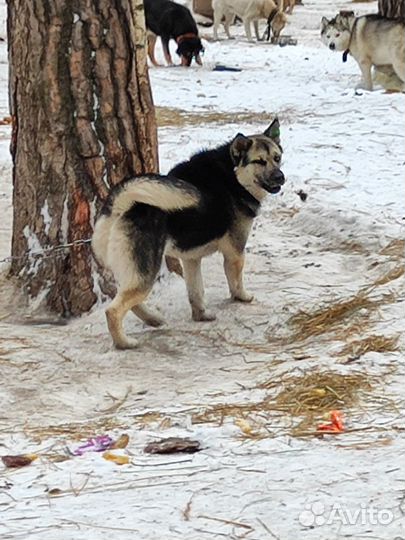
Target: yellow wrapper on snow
(116, 458)
(244, 426)
(320, 392)
(121, 442)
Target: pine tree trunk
(83, 119)
(392, 8)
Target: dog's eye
(277, 158)
(259, 162)
(328, 36)
(337, 35)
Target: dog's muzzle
(274, 182)
(332, 46)
(186, 60)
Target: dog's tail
(164, 192)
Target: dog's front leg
(195, 289)
(218, 14)
(233, 266)
(229, 18)
(365, 67)
(166, 51)
(247, 29)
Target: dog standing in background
(170, 20)
(372, 40)
(204, 205)
(249, 11)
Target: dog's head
(257, 160)
(189, 47)
(277, 25)
(335, 33)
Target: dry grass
(74, 431)
(395, 249)
(391, 275)
(372, 343)
(352, 247)
(217, 414)
(8, 348)
(330, 316)
(171, 117)
(307, 399)
(320, 392)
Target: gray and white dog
(372, 40)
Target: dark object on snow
(14, 462)
(172, 445)
(302, 195)
(220, 67)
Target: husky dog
(204, 205)
(249, 11)
(371, 39)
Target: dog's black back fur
(212, 173)
(165, 17)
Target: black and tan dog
(204, 205)
(169, 20)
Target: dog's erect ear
(345, 19)
(346, 13)
(239, 146)
(324, 23)
(273, 131)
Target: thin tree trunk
(393, 9)
(83, 119)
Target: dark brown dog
(169, 20)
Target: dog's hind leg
(233, 266)
(256, 27)
(195, 289)
(151, 48)
(124, 301)
(148, 317)
(399, 67)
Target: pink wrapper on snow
(96, 444)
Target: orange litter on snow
(335, 425)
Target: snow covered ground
(61, 385)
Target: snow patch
(46, 217)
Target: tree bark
(83, 119)
(393, 9)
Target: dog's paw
(155, 321)
(127, 343)
(203, 316)
(243, 297)
(363, 86)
